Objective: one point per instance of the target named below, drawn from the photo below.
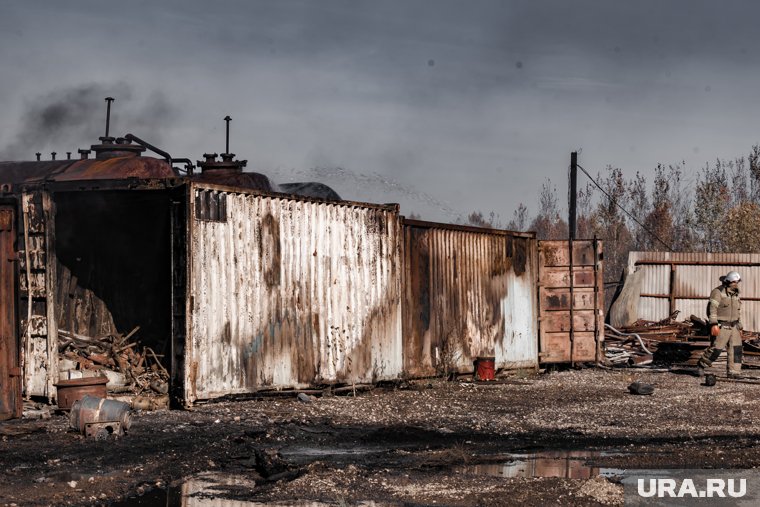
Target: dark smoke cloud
(68, 119)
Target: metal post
(108, 114)
(227, 143)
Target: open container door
(10, 373)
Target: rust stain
(270, 249)
(193, 379)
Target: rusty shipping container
(682, 282)
(571, 290)
(468, 292)
(289, 292)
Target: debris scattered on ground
(668, 342)
(129, 368)
(641, 388)
(603, 491)
(34, 410)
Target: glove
(715, 330)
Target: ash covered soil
(418, 443)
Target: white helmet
(732, 276)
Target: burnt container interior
(114, 265)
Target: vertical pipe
(108, 114)
(38, 156)
(227, 119)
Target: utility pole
(571, 237)
(573, 194)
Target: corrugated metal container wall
(287, 292)
(694, 275)
(467, 293)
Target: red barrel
(485, 368)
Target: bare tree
(477, 219)
(519, 220)
(548, 224)
(711, 203)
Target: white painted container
(284, 291)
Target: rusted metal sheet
(287, 292)
(682, 281)
(10, 381)
(468, 292)
(559, 341)
(115, 168)
(90, 169)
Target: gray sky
(443, 106)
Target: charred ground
(412, 444)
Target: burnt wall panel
(468, 293)
(40, 356)
(291, 292)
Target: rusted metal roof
(89, 169)
(255, 181)
(682, 281)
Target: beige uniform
(724, 309)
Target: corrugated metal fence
(682, 281)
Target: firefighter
(724, 314)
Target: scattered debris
(34, 410)
(305, 398)
(667, 343)
(641, 388)
(129, 368)
(100, 418)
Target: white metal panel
(693, 282)
(656, 279)
(653, 308)
(289, 292)
(520, 345)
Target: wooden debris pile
(668, 342)
(141, 368)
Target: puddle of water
(565, 464)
